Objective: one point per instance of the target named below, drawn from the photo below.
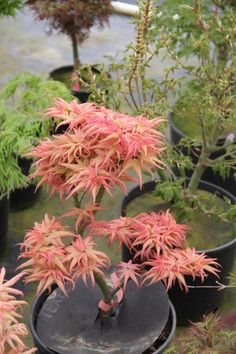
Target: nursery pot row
(144, 323)
(197, 301)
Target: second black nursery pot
(198, 301)
(4, 204)
(22, 198)
(144, 323)
(63, 73)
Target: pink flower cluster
(98, 149)
(12, 332)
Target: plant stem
(105, 289)
(99, 197)
(75, 52)
(207, 149)
(198, 172)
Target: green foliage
(129, 87)
(22, 104)
(206, 90)
(203, 31)
(9, 7)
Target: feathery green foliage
(22, 104)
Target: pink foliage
(176, 263)
(84, 260)
(12, 332)
(52, 260)
(160, 243)
(99, 149)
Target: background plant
(205, 31)
(71, 17)
(9, 7)
(22, 102)
(181, 29)
(207, 337)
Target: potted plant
(200, 39)
(208, 208)
(22, 102)
(79, 310)
(75, 19)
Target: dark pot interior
(4, 207)
(82, 94)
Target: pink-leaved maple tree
(97, 150)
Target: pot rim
(173, 126)
(66, 68)
(38, 302)
(181, 134)
(135, 189)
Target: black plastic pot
(139, 318)
(229, 183)
(4, 206)
(82, 94)
(198, 301)
(22, 198)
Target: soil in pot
(221, 236)
(72, 325)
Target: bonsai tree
(71, 17)
(22, 102)
(97, 152)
